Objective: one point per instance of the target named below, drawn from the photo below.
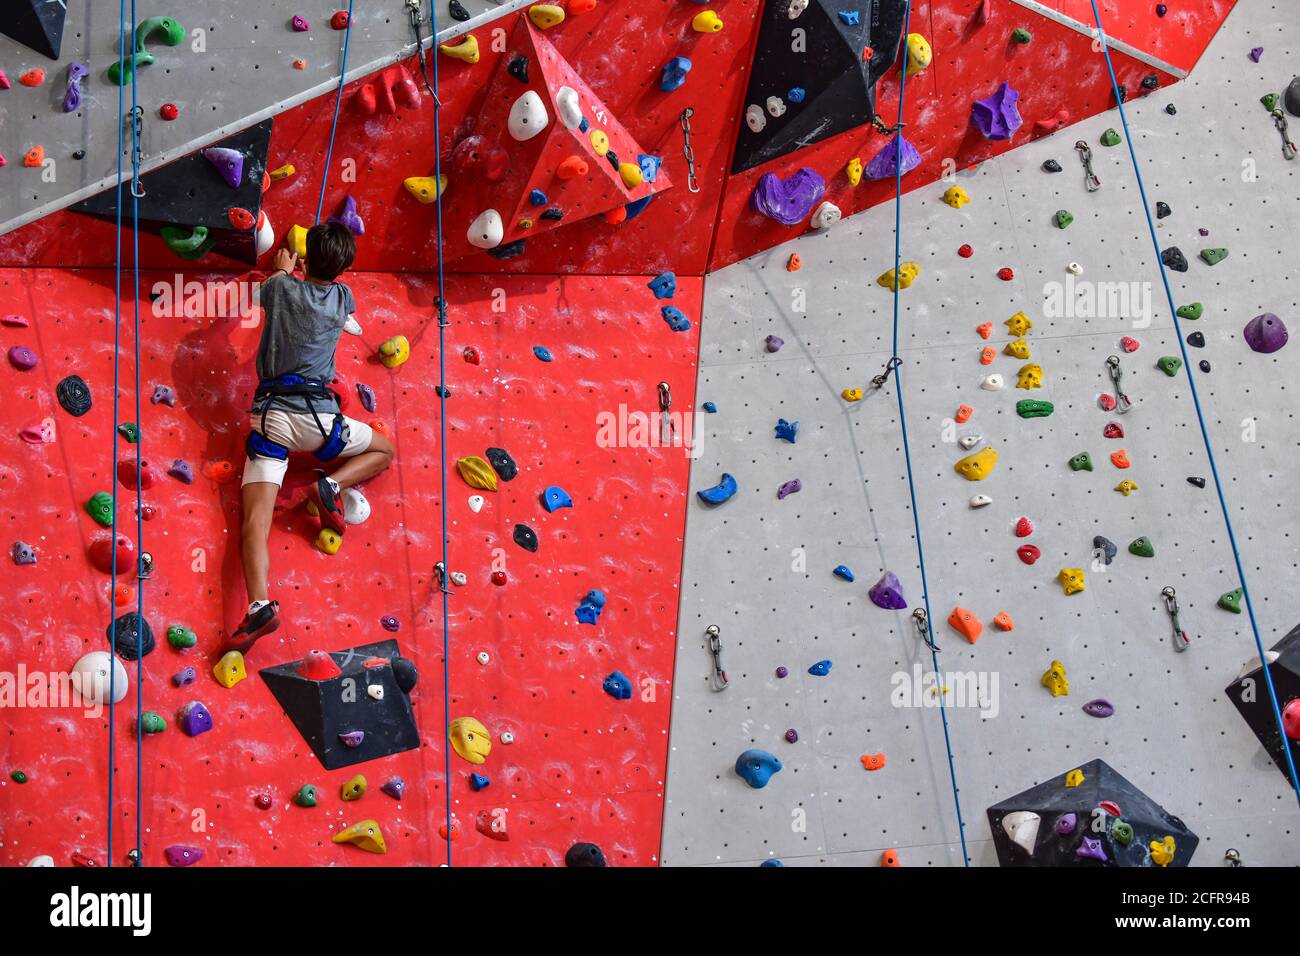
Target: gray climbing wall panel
(760, 568)
(244, 73)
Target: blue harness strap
(336, 439)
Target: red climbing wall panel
(1057, 71)
(1178, 38)
(583, 767)
(618, 49)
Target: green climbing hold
(1021, 35)
(1270, 101)
(1110, 138)
(151, 723)
(188, 243)
(130, 431)
(306, 796)
(181, 637)
(1034, 408)
(1063, 218)
(1169, 364)
(1142, 547)
(100, 507)
(1121, 832)
(1081, 462)
(1192, 311)
(18, 777)
(1214, 256)
(1231, 601)
(166, 30)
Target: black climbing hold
(1173, 258)
(1123, 93)
(129, 630)
(518, 68)
(526, 537)
(457, 11)
(79, 154)
(1162, 210)
(1151, 82)
(611, 157)
(1196, 340)
(1203, 365)
(502, 463)
(74, 395)
(405, 674)
(1052, 166)
(35, 23)
(584, 854)
(1171, 109)
(1291, 98)
(1106, 549)
(443, 391)
(554, 212)
(507, 251)
(1198, 482)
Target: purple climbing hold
(773, 343)
(1265, 333)
(1091, 849)
(163, 395)
(1099, 708)
(389, 623)
(187, 676)
(195, 719)
(394, 787)
(885, 163)
(181, 471)
(72, 99)
(367, 396)
(888, 592)
(1066, 823)
(182, 855)
(352, 738)
(792, 736)
(23, 553)
(782, 672)
(1256, 53)
(789, 488)
(301, 25)
(229, 163)
(997, 117)
(22, 358)
(349, 217)
(788, 200)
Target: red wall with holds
(583, 767)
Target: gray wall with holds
(760, 568)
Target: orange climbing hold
(581, 6)
(219, 470)
(872, 761)
(890, 858)
(616, 215)
(33, 77)
(966, 624)
(1002, 620)
(124, 596)
(987, 355)
(963, 415)
(1120, 459)
(985, 330)
(35, 157)
(794, 263)
(379, 425)
(571, 168)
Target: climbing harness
(923, 628)
(667, 432)
(271, 392)
(692, 183)
(1122, 402)
(1085, 156)
(1288, 147)
(719, 678)
(1200, 416)
(879, 380)
(1181, 641)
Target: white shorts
(298, 432)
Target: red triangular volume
(545, 152)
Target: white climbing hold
(1074, 269)
(352, 326)
(979, 501)
(476, 503)
(755, 118)
(265, 238)
(776, 106)
(970, 441)
(1022, 827)
(375, 691)
(527, 116)
(458, 578)
(90, 676)
(356, 506)
(507, 737)
(568, 107)
(992, 383)
(483, 657)
(795, 8)
(41, 860)
(826, 215)
(486, 231)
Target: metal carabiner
(1181, 641)
(883, 377)
(1090, 179)
(440, 570)
(1288, 147)
(719, 677)
(923, 628)
(1122, 402)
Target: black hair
(330, 250)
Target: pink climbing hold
(183, 855)
(22, 358)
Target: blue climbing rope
(334, 125)
(1200, 417)
(897, 364)
(139, 444)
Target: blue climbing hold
(583, 126)
(709, 407)
(756, 767)
(787, 430)
(542, 352)
(675, 319)
(820, 669)
(618, 686)
(720, 492)
(772, 863)
(554, 497)
(649, 166)
(477, 782)
(850, 18)
(664, 285)
(635, 207)
(674, 74)
(537, 198)
(796, 94)
(842, 571)
(588, 611)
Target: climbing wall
(760, 568)
(582, 765)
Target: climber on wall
(294, 409)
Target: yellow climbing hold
(630, 173)
(296, 240)
(364, 834)
(851, 394)
(955, 196)
(466, 49)
(1017, 349)
(1055, 680)
(395, 351)
(229, 671)
(1071, 580)
(706, 22)
(599, 141)
(1018, 325)
(1074, 779)
(1030, 376)
(978, 466)
(525, 224)
(1162, 851)
(283, 172)
(918, 53)
(908, 272)
(854, 171)
(470, 739)
(354, 789)
(546, 15)
(477, 472)
(425, 188)
(329, 541)
(1127, 487)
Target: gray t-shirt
(302, 323)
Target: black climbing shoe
(329, 504)
(254, 627)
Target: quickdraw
(692, 183)
(1122, 402)
(1288, 147)
(883, 377)
(667, 431)
(1181, 641)
(1090, 179)
(923, 628)
(719, 677)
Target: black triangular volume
(35, 23)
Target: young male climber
(295, 410)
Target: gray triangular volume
(36, 23)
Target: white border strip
(1127, 49)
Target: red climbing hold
(340, 20)
(571, 168)
(168, 111)
(133, 478)
(33, 77)
(1113, 430)
(985, 330)
(318, 666)
(964, 413)
(1128, 344)
(470, 354)
(1006, 274)
(890, 859)
(499, 578)
(240, 219)
(102, 551)
(616, 215)
(1028, 553)
(1024, 528)
(965, 251)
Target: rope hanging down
(334, 124)
(1196, 401)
